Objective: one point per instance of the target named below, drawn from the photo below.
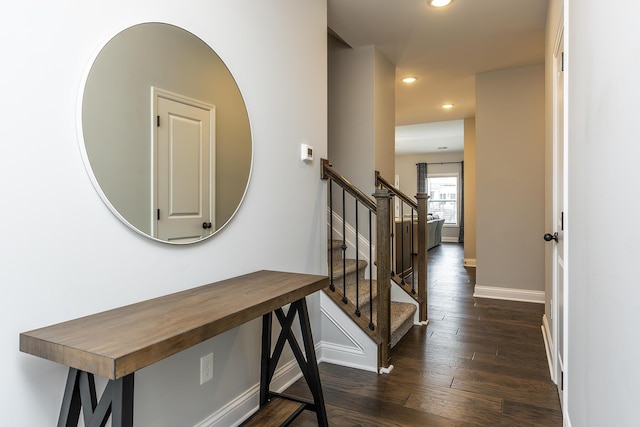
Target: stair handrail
(381, 207)
(381, 182)
(327, 172)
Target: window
(443, 197)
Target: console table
(115, 344)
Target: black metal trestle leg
(80, 395)
(308, 365)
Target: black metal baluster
(402, 243)
(344, 249)
(357, 313)
(331, 286)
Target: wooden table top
(117, 342)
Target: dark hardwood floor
(479, 362)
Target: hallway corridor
(479, 362)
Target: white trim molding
(387, 370)
(470, 262)
(450, 239)
(240, 408)
(510, 294)
(548, 344)
(350, 347)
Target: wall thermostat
(306, 153)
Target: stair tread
(402, 314)
(364, 293)
(351, 264)
(335, 244)
(400, 311)
(348, 270)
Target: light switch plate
(306, 153)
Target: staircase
(366, 250)
(353, 280)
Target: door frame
(559, 373)
(161, 93)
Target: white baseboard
(548, 345)
(341, 356)
(509, 294)
(449, 239)
(239, 409)
(469, 262)
(386, 370)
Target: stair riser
(337, 255)
(363, 293)
(351, 275)
(335, 247)
(400, 331)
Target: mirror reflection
(165, 133)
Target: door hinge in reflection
(561, 380)
(158, 121)
(158, 214)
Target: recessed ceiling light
(439, 3)
(409, 79)
(447, 106)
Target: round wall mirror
(165, 134)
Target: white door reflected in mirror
(184, 167)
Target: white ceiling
(444, 48)
(430, 137)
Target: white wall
(352, 147)
(361, 113)
(604, 292)
(510, 179)
(63, 254)
(384, 115)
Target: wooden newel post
(422, 254)
(383, 260)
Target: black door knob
(206, 225)
(549, 237)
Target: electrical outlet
(206, 368)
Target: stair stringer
(343, 342)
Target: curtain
(422, 177)
(461, 234)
